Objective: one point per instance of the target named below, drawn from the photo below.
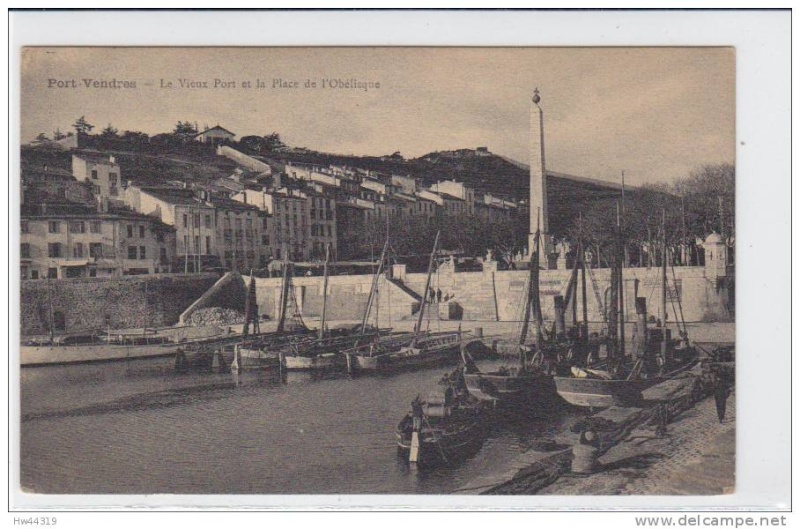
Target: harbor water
(137, 427)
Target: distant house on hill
(215, 136)
(99, 170)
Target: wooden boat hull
(252, 359)
(319, 362)
(431, 351)
(43, 355)
(601, 393)
(598, 393)
(442, 445)
(530, 393)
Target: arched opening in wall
(59, 321)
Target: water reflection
(136, 427)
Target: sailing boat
(422, 349)
(324, 353)
(656, 357)
(259, 350)
(527, 387)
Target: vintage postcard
(416, 271)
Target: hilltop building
(215, 136)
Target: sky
(655, 113)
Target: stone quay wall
(493, 295)
(88, 304)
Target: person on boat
(416, 414)
(721, 392)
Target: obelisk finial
(536, 97)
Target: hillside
(491, 174)
(151, 163)
(143, 165)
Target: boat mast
(373, 289)
(250, 308)
(621, 286)
(425, 292)
(324, 292)
(581, 256)
(664, 285)
(284, 294)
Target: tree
(135, 136)
(41, 138)
(185, 128)
(109, 132)
(82, 126)
(58, 135)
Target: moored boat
(528, 387)
(445, 427)
(422, 349)
(655, 357)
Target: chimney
(112, 159)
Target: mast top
(536, 96)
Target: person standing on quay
(721, 392)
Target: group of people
(435, 296)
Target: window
(96, 190)
(77, 250)
(185, 220)
(196, 220)
(24, 226)
(248, 223)
(34, 274)
(112, 179)
(25, 250)
(208, 221)
(54, 249)
(278, 253)
(238, 224)
(196, 248)
(113, 191)
(142, 252)
(77, 227)
(131, 252)
(52, 273)
(186, 244)
(96, 250)
(208, 245)
(265, 239)
(141, 232)
(94, 174)
(54, 226)
(94, 226)
(330, 233)
(130, 231)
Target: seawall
(96, 303)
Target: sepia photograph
(409, 270)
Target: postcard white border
(762, 41)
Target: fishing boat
(655, 356)
(445, 427)
(422, 349)
(264, 350)
(527, 387)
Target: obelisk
(538, 183)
